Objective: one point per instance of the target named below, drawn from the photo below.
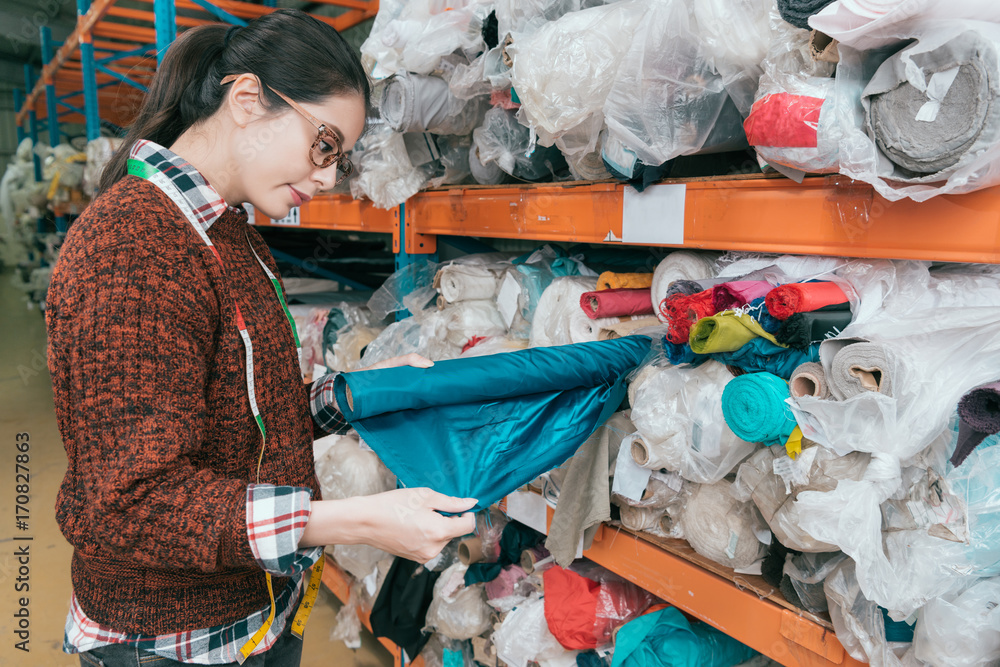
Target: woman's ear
(243, 99)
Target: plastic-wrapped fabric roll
(859, 368)
(681, 311)
(563, 71)
(809, 379)
(467, 319)
(99, 152)
(458, 611)
(642, 519)
(502, 139)
(543, 403)
(616, 303)
(611, 280)
(797, 128)
(677, 412)
(786, 300)
(668, 99)
(755, 409)
(979, 414)
(719, 527)
(485, 173)
(558, 316)
(417, 103)
(613, 330)
(680, 265)
(350, 345)
(738, 293)
(465, 282)
(804, 329)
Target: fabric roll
(755, 409)
(719, 527)
(861, 367)
(641, 519)
(725, 332)
(417, 103)
(757, 309)
(465, 282)
(667, 638)
(626, 327)
(930, 128)
(682, 310)
(558, 319)
(761, 354)
(979, 412)
(466, 320)
(680, 265)
(485, 173)
(738, 293)
(685, 287)
(611, 280)
(804, 329)
(489, 424)
(786, 300)
(584, 329)
(809, 379)
(797, 12)
(616, 303)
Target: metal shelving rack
(822, 215)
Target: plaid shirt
(276, 515)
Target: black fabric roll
(803, 329)
(797, 12)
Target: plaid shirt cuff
(323, 405)
(276, 518)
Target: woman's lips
(299, 197)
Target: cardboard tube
(640, 452)
(471, 551)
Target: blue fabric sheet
(666, 638)
(761, 354)
(483, 426)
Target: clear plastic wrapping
(347, 624)
(385, 173)
(563, 72)
(99, 152)
(807, 573)
(961, 631)
(678, 413)
(458, 611)
(558, 315)
(416, 103)
(667, 99)
(501, 139)
(524, 637)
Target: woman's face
(274, 153)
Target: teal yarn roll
(755, 409)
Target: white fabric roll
(466, 319)
(416, 103)
(557, 309)
(680, 265)
(466, 282)
(485, 173)
(643, 519)
(721, 528)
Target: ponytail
(304, 58)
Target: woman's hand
(411, 359)
(404, 522)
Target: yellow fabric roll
(726, 332)
(612, 280)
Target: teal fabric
(667, 639)
(755, 409)
(761, 354)
(481, 427)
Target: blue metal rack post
(51, 101)
(18, 103)
(29, 84)
(165, 12)
(91, 107)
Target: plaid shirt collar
(205, 201)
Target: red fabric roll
(738, 293)
(681, 311)
(582, 613)
(783, 302)
(784, 120)
(617, 303)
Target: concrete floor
(26, 407)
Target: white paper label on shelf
(251, 213)
(630, 479)
(507, 299)
(529, 509)
(290, 220)
(655, 215)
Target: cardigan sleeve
(134, 347)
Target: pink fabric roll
(738, 293)
(616, 303)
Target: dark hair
(302, 57)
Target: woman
(190, 496)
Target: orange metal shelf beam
(341, 212)
(823, 215)
(338, 582)
(150, 17)
(782, 635)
